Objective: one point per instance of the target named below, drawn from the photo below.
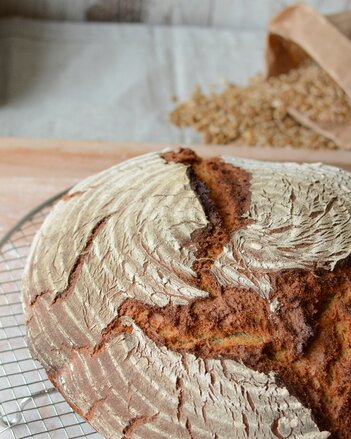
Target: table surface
(32, 171)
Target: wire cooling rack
(29, 405)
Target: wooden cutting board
(31, 171)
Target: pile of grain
(258, 113)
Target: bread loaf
(176, 297)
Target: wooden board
(33, 170)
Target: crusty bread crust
(156, 315)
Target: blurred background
(109, 69)
(85, 72)
(209, 13)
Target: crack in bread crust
(307, 343)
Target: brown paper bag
(299, 32)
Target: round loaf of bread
(172, 296)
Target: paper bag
(299, 32)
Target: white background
(83, 80)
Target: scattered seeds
(257, 114)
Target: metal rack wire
(29, 405)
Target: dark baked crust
(307, 342)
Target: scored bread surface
(128, 234)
